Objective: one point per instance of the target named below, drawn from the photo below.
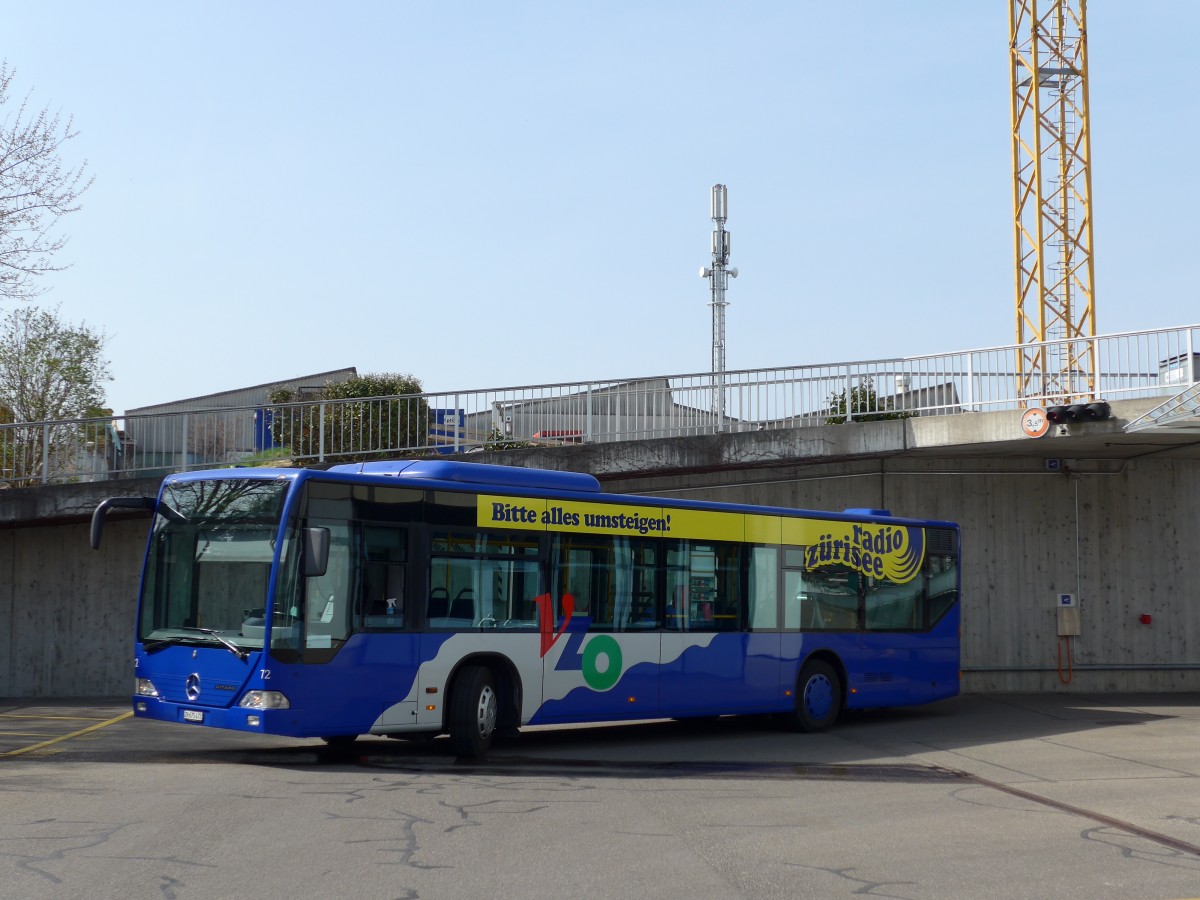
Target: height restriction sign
(1034, 422)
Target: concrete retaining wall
(67, 615)
(66, 612)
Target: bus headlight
(144, 687)
(264, 700)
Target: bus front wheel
(818, 696)
(474, 710)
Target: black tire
(474, 712)
(818, 697)
(340, 740)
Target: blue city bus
(425, 597)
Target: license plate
(193, 715)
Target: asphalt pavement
(1023, 796)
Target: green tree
(50, 372)
(36, 190)
(864, 406)
(365, 417)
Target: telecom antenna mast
(1052, 200)
(718, 277)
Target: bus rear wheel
(474, 711)
(818, 696)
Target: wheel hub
(487, 712)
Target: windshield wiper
(160, 644)
(170, 513)
(229, 645)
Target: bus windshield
(209, 564)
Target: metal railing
(1128, 365)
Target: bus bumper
(235, 718)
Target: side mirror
(316, 551)
(146, 503)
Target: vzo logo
(600, 660)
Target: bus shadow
(759, 743)
(869, 745)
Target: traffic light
(1078, 412)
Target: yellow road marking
(67, 737)
(55, 718)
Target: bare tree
(36, 190)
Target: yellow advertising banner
(607, 518)
(881, 550)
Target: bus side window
(941, 573)
(713, 588)
(385, 550)
(480, 579)
(439, 603)
(764, 591)
(895, 607)
(821, 599)
(451, 594)
(579, 569)
(677, 603)
(829, 598)
(383, 587)
(797, 610)
(727, 609)
(330, 601)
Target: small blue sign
(448, 428)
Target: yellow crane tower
(1052, 200)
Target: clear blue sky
(487, 195)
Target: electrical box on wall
(1068, 616)
(1068, 621)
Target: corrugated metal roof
(246, 396)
